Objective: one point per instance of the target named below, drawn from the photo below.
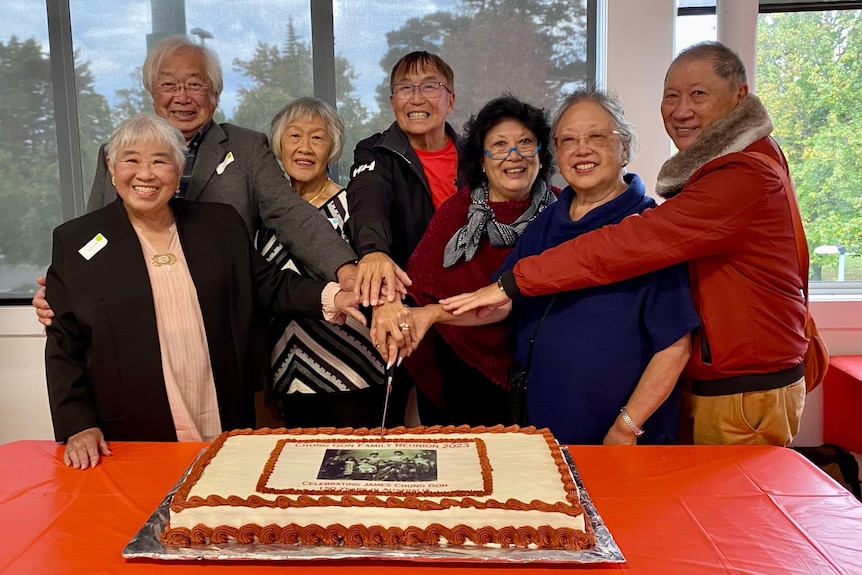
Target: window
(813, 93)
(534, 50)
(30, 181)
(264, 57)
(271, 51)
(809, 76)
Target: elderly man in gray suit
(225, 164)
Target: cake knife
(390, 371)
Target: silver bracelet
(631, 424)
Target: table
(676, 509)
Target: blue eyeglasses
(525, 150)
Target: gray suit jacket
(254, 184)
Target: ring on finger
(69, 448)
(403, 326)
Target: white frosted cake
(420, 486)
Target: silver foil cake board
(147, 545)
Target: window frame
(702, 7)
(819, 290)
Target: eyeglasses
(525, 149)
(426, 90)
(192, 88)
(598, 140)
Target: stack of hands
(382, 285)
(397, 329)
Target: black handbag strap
(535, 332)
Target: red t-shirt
(441, 168)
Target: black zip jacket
(388, 196)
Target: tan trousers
(754, 418)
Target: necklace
(323, 189)
(159, 260)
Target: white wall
(24, 410)
(640, 47)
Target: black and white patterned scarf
(481, 221)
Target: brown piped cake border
(360, 535)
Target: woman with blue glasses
(505, 155)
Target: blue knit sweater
(595, 343)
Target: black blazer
(102, 357)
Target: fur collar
(743, 126)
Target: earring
(113, 183)
(625, 163)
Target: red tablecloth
(689, 510)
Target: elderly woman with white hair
(158, 303)
(322, 374)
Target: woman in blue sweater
(605, 360)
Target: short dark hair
(417, 61)
(472, 148)
(726, 63)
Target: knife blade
(390, 372)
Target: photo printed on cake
(379, 465)
(434, 467)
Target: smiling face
(694, 98)
(146, 176)
(589, 155)
(305, 148)
(421, 118)
(188, 112)
(512, 178)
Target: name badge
(92, 247)
(228, 160)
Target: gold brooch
(159, 260)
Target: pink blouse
(183, 342)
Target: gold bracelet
(631, 424)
